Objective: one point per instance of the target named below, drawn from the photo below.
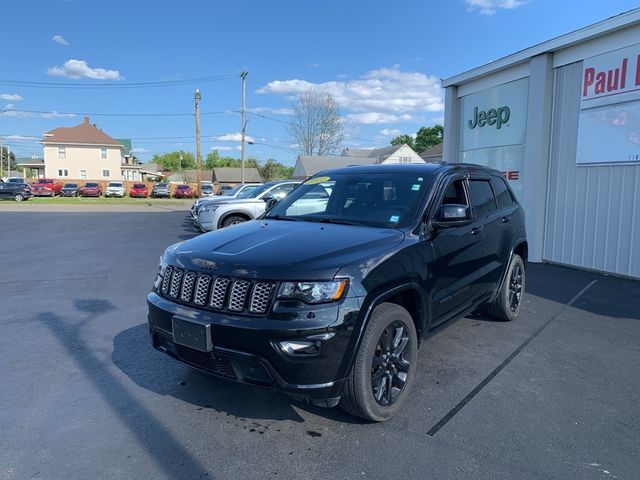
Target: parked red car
(46, 187)
(91, 189)
(183, 191)
(139, 190)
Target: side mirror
(271, 203)
(452, 215)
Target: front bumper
(246, 348)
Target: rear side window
(503, 195)
(482, 198)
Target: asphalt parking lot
(554, 395)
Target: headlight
(162, 265)
(209, 208)
(313, 292)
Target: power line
(94, 114)
(165, 83)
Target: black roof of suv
(328, 294)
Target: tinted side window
(482, 197)
(454, 194)
(503, 195)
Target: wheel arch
(234, 213)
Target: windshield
(91, 185)
(139, 185)
(115, 184)
(253, 192)
(161, 185)
(371, 199)
(70, 185)
(45, 182)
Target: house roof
(190, 176)
(150, 167)
(28, 161)
(85, 133)
(234, 175)
(380, 154)
(306, 166)
(617, 22)
(127, 145)
(434, 151)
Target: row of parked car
(241, 204)
(19, 189)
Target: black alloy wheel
(390, 366)
(515, 287)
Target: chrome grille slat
(176, 282)
(260, 297)
(202, 290)
(166, 280)
(187, 286)
(219, 292)
(238, 295)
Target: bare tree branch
(316, 124)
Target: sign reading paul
(609, 128)
(493, 127)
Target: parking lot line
(460, 405)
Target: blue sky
(381, 60)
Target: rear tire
(18, 197)
(233, 220)
(507, 305)
(384, 368)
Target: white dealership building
(562, 121)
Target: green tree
(402, 139)
(428, 137)
(171, 161)
(214, 160)
(274, 170)
(425, 138)
(12, 161)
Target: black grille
(210, 361)
(217, 293)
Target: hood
(281, 250)
(209, 200)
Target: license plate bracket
(191, 334)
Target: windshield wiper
(337, 221)
(282, 217)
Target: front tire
(18, 197)
(507, 305)
(384, 368)
(233, 220)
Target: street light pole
(197, 97)
(243, 75)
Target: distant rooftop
(85, 133)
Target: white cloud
(489, 7)
(221, 148)
(22, 138)
(10, 97)
(385, 95)
(374, 118)
(80, 69)
(390, 132)
(314, 65)
(8, 112)
(233, 137)
(60, 39)
(139, 150)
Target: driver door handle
(476, 230)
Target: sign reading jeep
(493, 116)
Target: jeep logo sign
(493, 116)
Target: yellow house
(83, 152)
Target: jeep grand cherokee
(328, 295)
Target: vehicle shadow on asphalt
(190, 230)
(172, 457)
(161, 374)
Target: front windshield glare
(252, 192)
(372, 199)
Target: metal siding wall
(592, 211)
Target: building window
(105, 173)
(62, 152)
(83, 174)
(63, 173)
(103, 153)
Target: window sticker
(420, 179)
(317, 180)
(415, 187)
(394, 218)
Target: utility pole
(198, 96)
(243, 75)
(1, 157)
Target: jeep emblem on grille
(205, 264)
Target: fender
(365, 313)
(503, 277)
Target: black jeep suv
(328, 295)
